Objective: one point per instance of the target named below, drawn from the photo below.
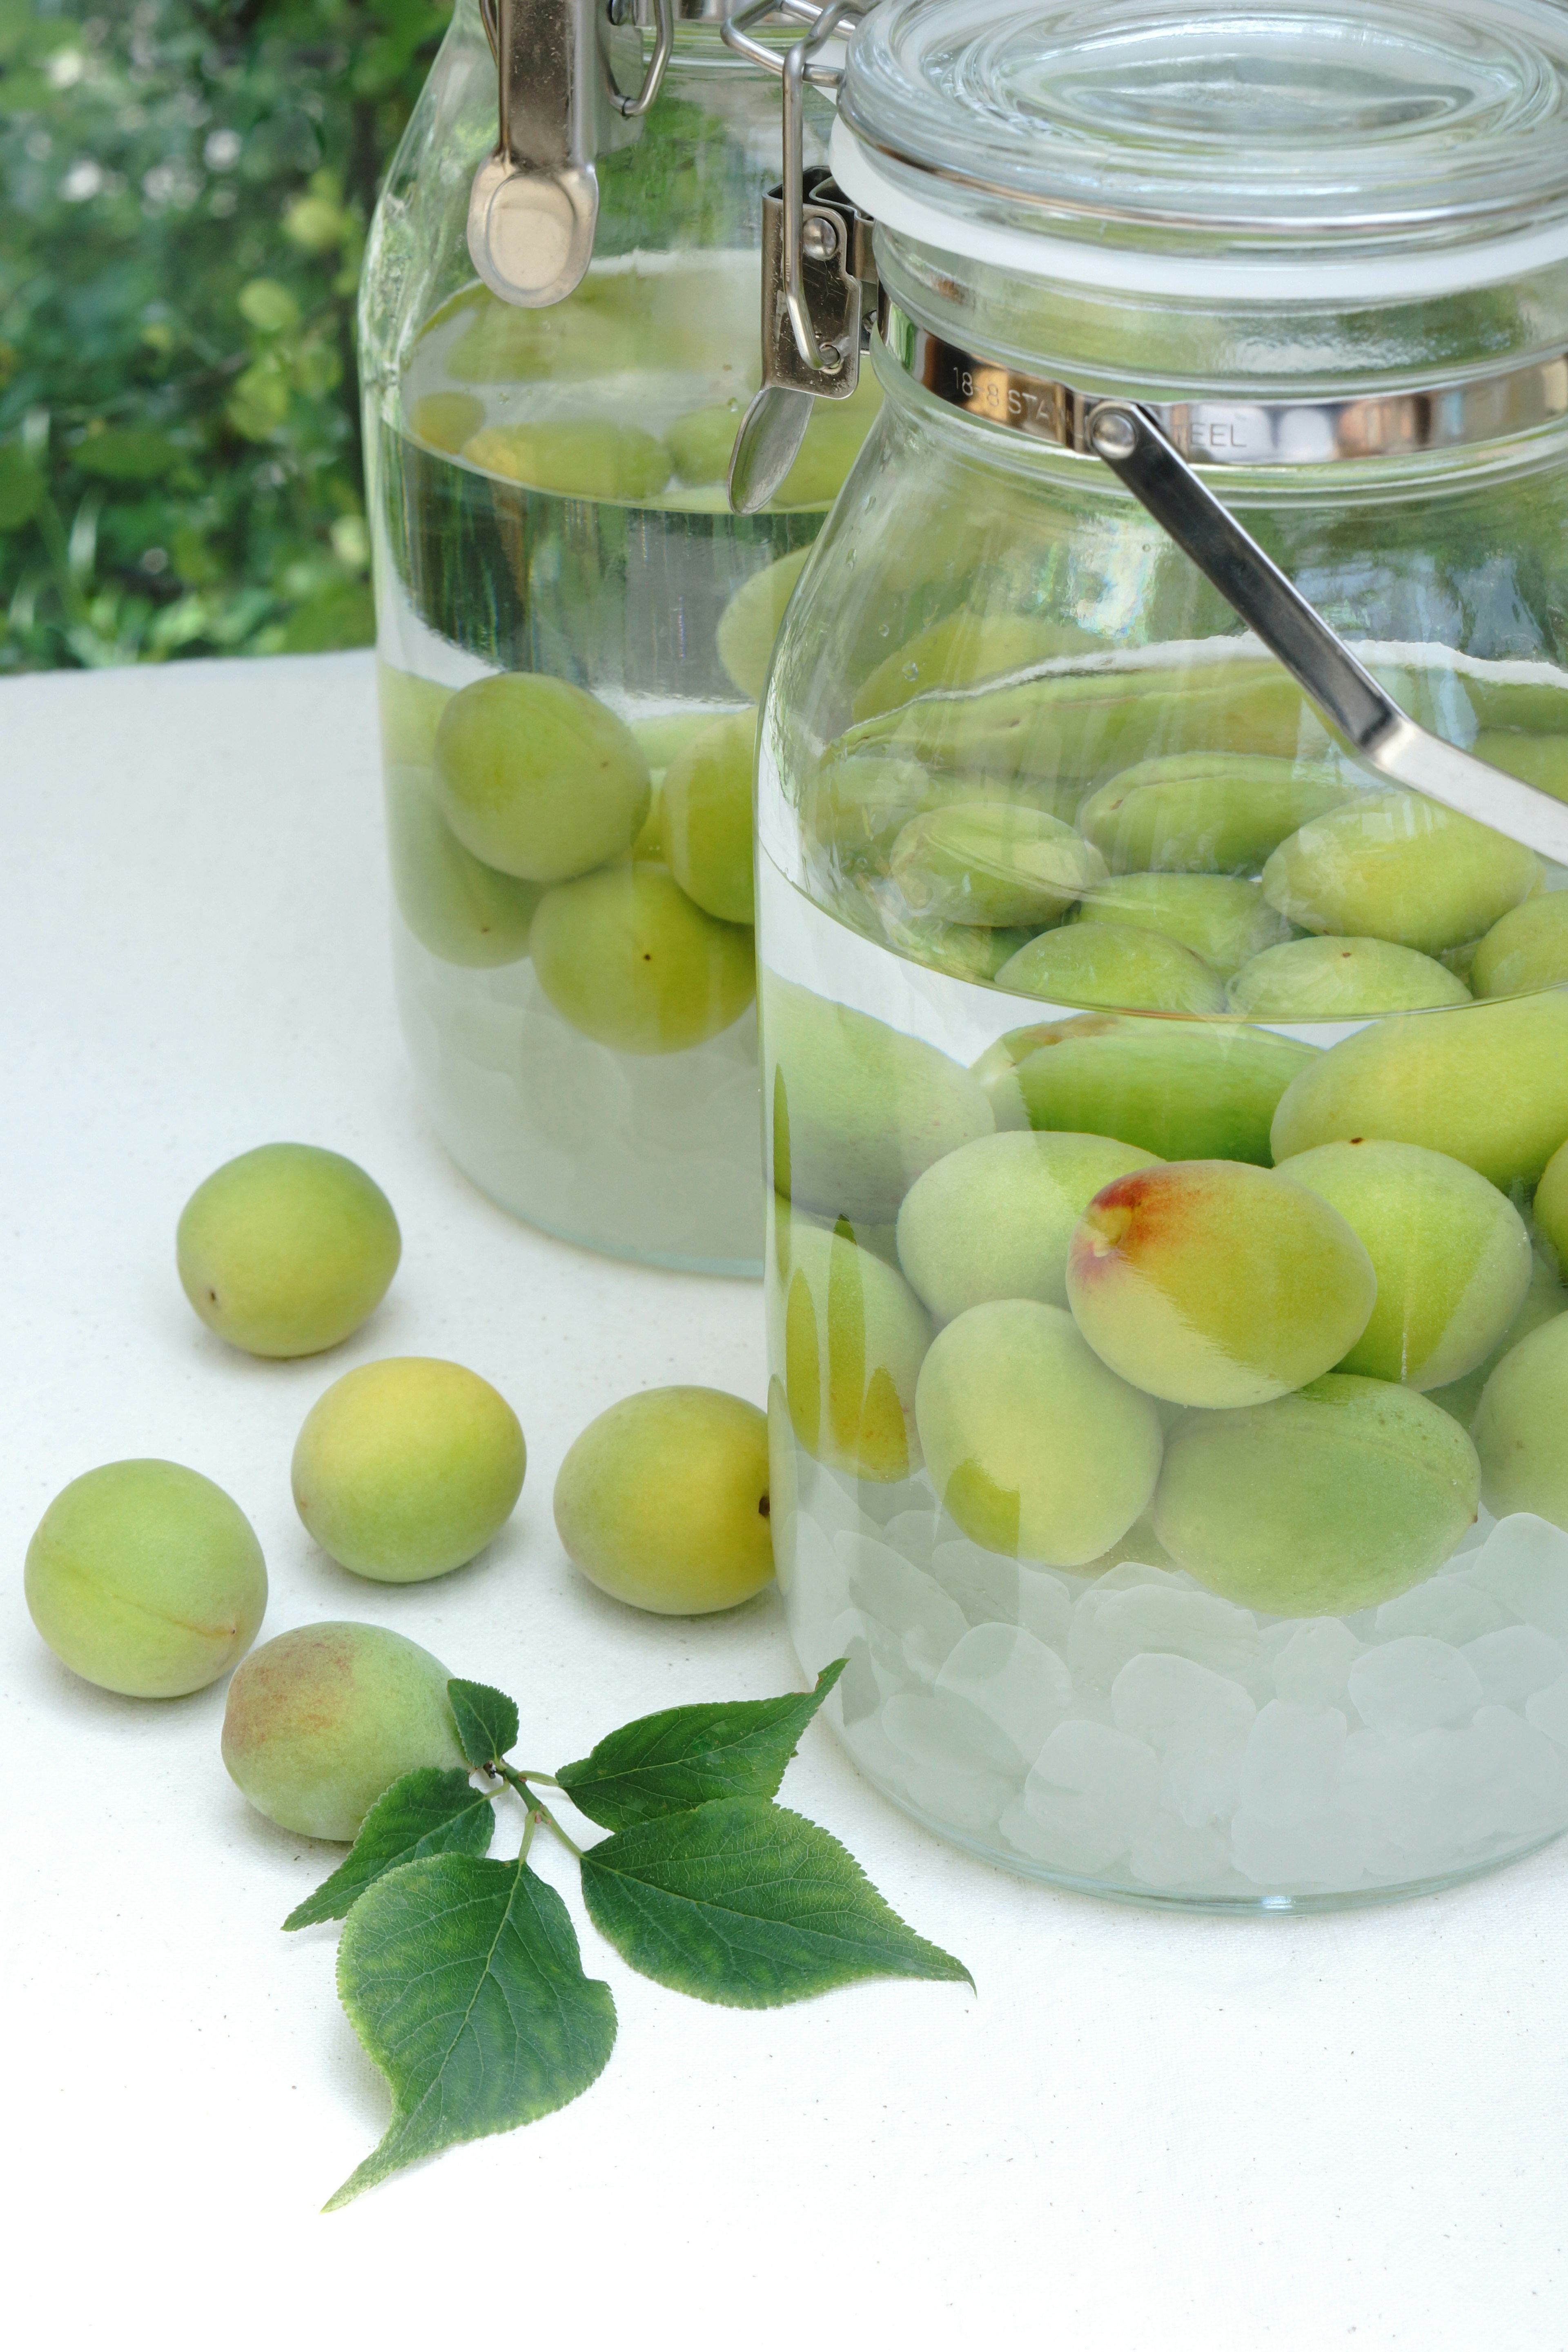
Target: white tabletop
(1142, 2130)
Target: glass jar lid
(1384, 146)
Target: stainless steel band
(1235, 432)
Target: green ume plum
(1528, 947)
(960, 650)
(1550, 1208)
(1177, 1090)
(143, 1577)
(859, 1109)
(1339, 980)
(1488, 1086)
(286, 1250)
(993, 861)
(462, 911)
(1391, 866)
(322, 1721)
(1522, 1427)
(1222, 919)
(701, 442)
(1216, 1283)
(1331, 1500)
(1538, 760)
(1451, 1256)
(1116, 964)
(536, 778)
(410, 710)
(1085, 723)
(1545, 1297)
(627, 957)
(445, 420)
(993, 1219)
(750, 622)
(406, 1468)
(1035, 1449)
(587, 460)
(706, 821)
(855, 1336)
(831, 445)
(1206, 813)
(663, 1501)
(967, 950)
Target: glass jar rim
(1301, 149)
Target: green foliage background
(187, 187)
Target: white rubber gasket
(1047, 253)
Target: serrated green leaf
(427, 1811)
(690, 1755)
(486, 1720)
(744, 1902)
(463, 1982)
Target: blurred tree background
(187, 185)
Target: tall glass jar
(573, 634)
(1168, 1116)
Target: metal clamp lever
(1347, 695)
(560, 64)
(818, 275)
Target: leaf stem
(540, 1811)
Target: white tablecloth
(1143, 2130)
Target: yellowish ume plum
(405, 1468)
(1550, 1209)
(1488, 1085)
(1114, 964)
(323, 1720)
(286, 1250)
(628, 959)
(1034, 1447)
(1528, 947)
(855, 1336)
(663, 1501)
(859, 1109)
(144, 1577)
(1522, 1427)
(706, 821)
(993, 1219)
(1214, 1283)
(538, 779)
(1329, 978)
(1393, 865)
(1451, 1252)
(1330, 1500)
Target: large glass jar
(574, 633)
(1168, 1118)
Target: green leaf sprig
(462, 1976)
